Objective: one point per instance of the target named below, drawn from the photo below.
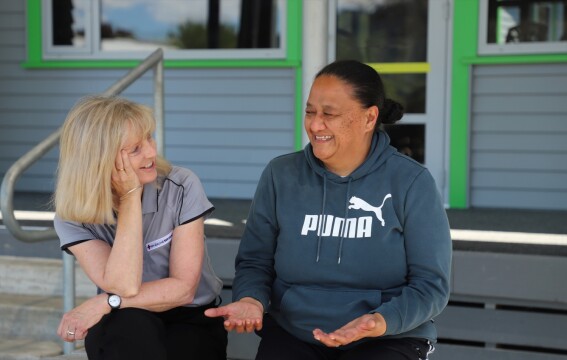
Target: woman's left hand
(75, 324)
(368, 325)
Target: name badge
(159, 242)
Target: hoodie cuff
(392, 318)
(265, 302)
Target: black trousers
(180, 333)
(278, 344)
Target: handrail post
(68, 293)
(158, 107)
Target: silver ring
(70, 333)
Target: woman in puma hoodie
(347, 250)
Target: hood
(380, 151)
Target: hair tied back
(392, 112)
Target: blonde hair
(91, 136)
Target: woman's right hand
(124, 177)
(75, 324)
(244, 315)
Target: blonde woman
(135, 224)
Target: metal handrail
(154, 61)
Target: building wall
(225, 124)
(519, 136)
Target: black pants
(180, 333)
(278, 344)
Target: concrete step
(39, 276)
(76, 355)
(31, 306)
(28, 327)
(30, 316)
(17, 348)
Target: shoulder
(180, 174)
(407, 172)
(405, 164)
(179, 177)
(286, 160)
(70, 232)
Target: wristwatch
(114, 301)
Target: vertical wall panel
(519, 135)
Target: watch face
(114, 301)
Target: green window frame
(291, 47)
(464, 56)
(496, 47)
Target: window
(522, 26)
(392, 32)
(185, 29)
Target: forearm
(162, 295)
(123, 271)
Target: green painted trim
(294, 30)
(33, 12)
(298, 144)
(296, 54)
(465, 33)
(293, 48)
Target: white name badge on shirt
(159, 242)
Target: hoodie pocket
(307, 308)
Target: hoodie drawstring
(322, 227)
(344, 224)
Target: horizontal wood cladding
(518, 147)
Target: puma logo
(359, 204)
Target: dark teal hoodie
(320, 250)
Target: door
(407, 42)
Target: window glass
(69, 23)
(184, 29)
(526, 21)
(408, 139)
(382, 30)
(189, 24)
(407, 89)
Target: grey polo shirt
(180, 200)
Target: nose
(315, 122)
(150, 148)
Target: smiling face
(142, 154)
(339, 128)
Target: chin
(319, 154)
(147, 178)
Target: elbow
(187, 298)
(186, 295)
(130, 292)
(124, 291)
(123, 287)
